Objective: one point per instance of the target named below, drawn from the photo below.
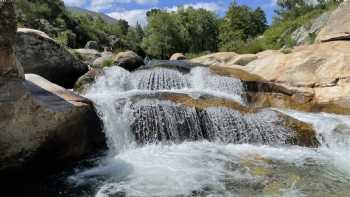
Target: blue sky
(134, 10)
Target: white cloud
(139, 15)
(99, 5)
(214, 7)
(132, 16)
(76, 3)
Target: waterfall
(159, 79)
(162, 148)
(230, 126)
(165, 121)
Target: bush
(107, 63)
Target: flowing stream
(163, 149)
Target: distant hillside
(105, 17)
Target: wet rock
(39, 54)
(214, 119)
(86, 80)
(128, 60)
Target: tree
(201, 29)
(163, 35)
(239, 25)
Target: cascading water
(227, 166)
(229, 126)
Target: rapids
(245, 155)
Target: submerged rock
(41, 55)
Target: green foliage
(163, 35)
(201, 29)
(290, 17)
(240, 25)
(107, 63)
(188, 30)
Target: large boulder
(9, 67)
(43, 126)
(40, 54)
(338, 25)
(128, 60)
(312, 77)
(42, 123)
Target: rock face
(178, 56)
(39, 54)
(8, 64)
(338, 25)
(128, 60)
(307, 33)
(310, 78)
(42, 124)
(42, 121)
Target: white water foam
(212, 168)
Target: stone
(128, 60)
(222, 58)
(9, 67)
(99, 62)
(43, 126)
(338, 25)
(92, 45)
(244, 59)
(178, 56)
(310, 78)
(86, 80)
(41, 55)
(88, 56)
(42, 123)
